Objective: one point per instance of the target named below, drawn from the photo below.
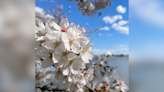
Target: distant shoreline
(121, 55)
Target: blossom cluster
(105, 77)
(64, 47)
(89, 7)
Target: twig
(53, 90)
(90, 89)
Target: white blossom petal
(75, 47)
(64, 23)
(71, 33)
(62, 61)
(66, 71)
(67, 46)
(61, 48)
(47, 63)
(71, 56)
(85, 59)
(56, 26)
(75, 72)
(69, 79)
(64, 37)
(56, 57)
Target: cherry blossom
(65, 48)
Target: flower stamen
(71, 41)
(64, 30)
(65, 53)
(120, 84)
(52, 27)
(84, 51)
(86, 75)
(56, 43)
(42, 41)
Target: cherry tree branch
(90, 89)
(53, 90)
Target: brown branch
(43, 89)
(90, 89)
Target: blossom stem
(90, 89)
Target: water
(144, 77)
(147, 77)
(122, 64)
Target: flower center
(77, 34)
(72, 63)
(86, 75)
(42, 41)
(120, 84)
(64, 30)
(43, 32)
(56, 43)
(84, 51)
(52, 27)
(71, 41)
(65, 53)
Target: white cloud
(149, 11)
(100, 34)
(122, 22)
(122, 46)
(112, 51)
(49, 16)
(105, 28)
(121, 27)
(109, 19)
(39, 10)
(121, 9)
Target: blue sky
(146, 37)
(114, 39)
